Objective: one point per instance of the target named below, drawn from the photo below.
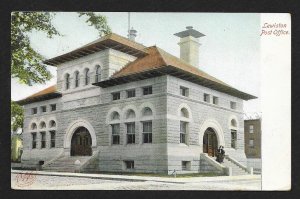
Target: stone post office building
(119, 106)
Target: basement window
(129, 164)
(185, 165)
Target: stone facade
(93, 107)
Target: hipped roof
(158, 62)
(45, 94)
(112, 40)
(150, 62)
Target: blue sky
(230, 51)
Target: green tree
(27, 64)
(17, 116)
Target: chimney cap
(189, 32)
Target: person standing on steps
(218, 159)
(222, 154)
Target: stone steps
(65, 164)
(236, 169)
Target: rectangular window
(129, 164)
(115, 133)
(251, 143)
(130, 93)
(185, 165)
(130, 133)
(43, 109)
(233, 139)
(233, 105)
(53, 107)
(52, 139)
(147, 132)
(251, 129)
(215, 100)
(147, 90)
(184, 91)
(183, 131)
(34, 111)
(33, 140)
(43, 140)
(116, 96)
(206, 97)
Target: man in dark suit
(222, 154)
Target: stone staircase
(65, 164)
(236, 169)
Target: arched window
(33, 126)
(98, 73)
(147, 111)
(184, 113)
(52, 124)
(67, 81)
(115, 116)
(130, 114)
(233, 123)
(87, 76)
(76, 79)
(42, 125)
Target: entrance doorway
(210, 142)
(81, 143)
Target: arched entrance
(81, 143)
(210, 142)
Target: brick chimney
(189, 45)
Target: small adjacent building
(119, 106)
(252, 129)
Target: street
(53, 182)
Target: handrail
(238, 163)
(174, 173)
(216, 164)
(61, 154)
(92, 158)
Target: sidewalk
(143, 178)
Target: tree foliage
(17, 116)
(27, 64)
(98, 21)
